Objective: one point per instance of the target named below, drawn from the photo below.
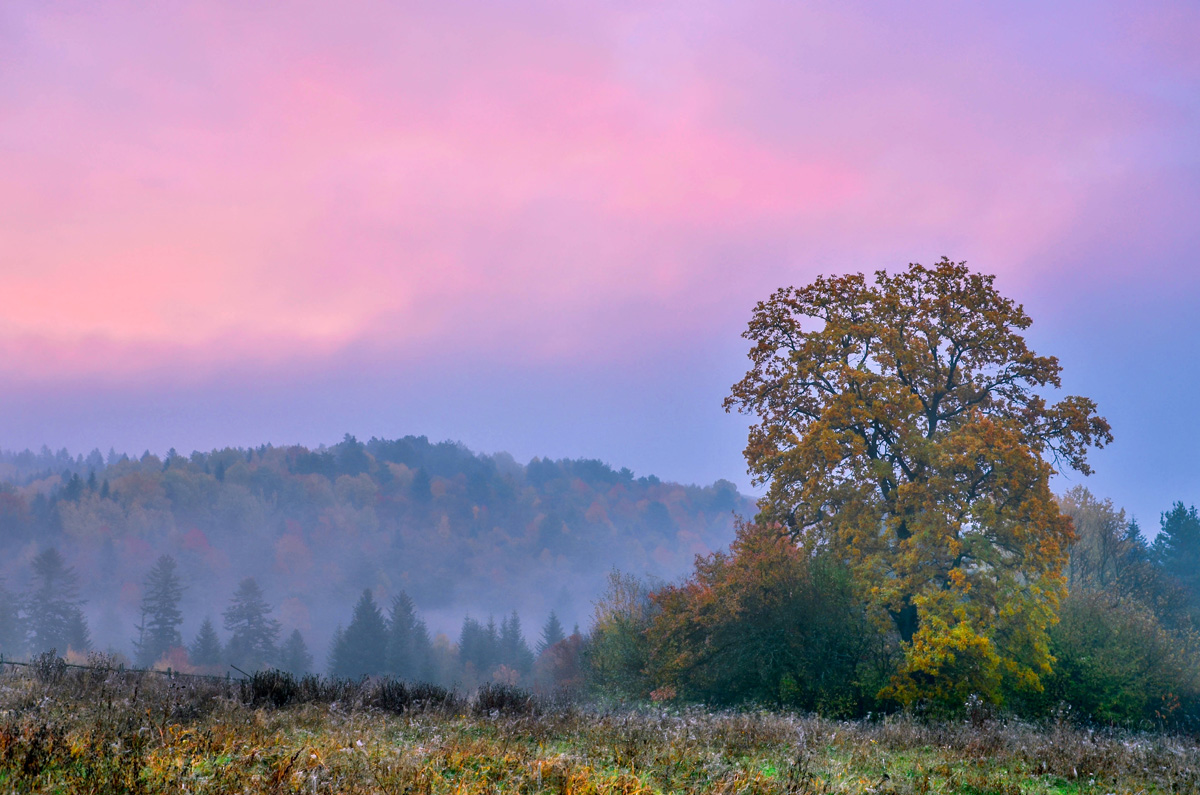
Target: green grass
(113, 732)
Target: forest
(264, 556)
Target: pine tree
(159, 630)
(252, 632)
(205, 650)
(1177, 551)
(337, 651)
(293, 655)
(479, 646)
(514, 651)
(12, 629)
(53, 610)
(363, 648)
(551, 633)
(408, 647)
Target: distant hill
(460, 532)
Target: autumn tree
(899, 424)
(764, 622)
(158, 631)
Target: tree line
(450, 527)
(375, 642)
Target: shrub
(496, 698)
(1117, 664)
(272, 688)
(767, 623)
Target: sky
(541, 227)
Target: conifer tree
(514, 651)
(53, 610)
(252, 631)
(552, 633)
(1177, 551)
(293, 655)
(159, 630)
(206, 648)
(408, 646)
(337, 651)
(12, 630)
(479, 646)
(363, 647)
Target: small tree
(363, 647)
(478, 648)
(1177, 551)
(514, 651)
(161, 618)
(293, 655)
(337, 650)
(408, 645)
(12, 629)
(552, 633)
(619, 650)
(53, 609)
(205, 650)
(252, 631)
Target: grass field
(105, 730)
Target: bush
(1117, 664)
(273, 688)
(767, 623)
(618, 650)
(500, 699)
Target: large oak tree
(899, 425)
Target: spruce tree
(514, 651)
(159, 630)
(337, 651)
(293, 655)
(479, 646)
(53, 610)
(12, 629)
(1177, 552)
(408, 646)
(252, 631)
(206, 648)
(552, 633)
(363, 649)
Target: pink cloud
(193, 188)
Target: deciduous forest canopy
(458, 533)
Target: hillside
(461, 533)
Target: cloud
(216, 185)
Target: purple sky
(541, 227)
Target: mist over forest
(462, 534)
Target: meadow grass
(104, 730)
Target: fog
(462, 534)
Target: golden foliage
(898, 424)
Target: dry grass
(109, 731)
